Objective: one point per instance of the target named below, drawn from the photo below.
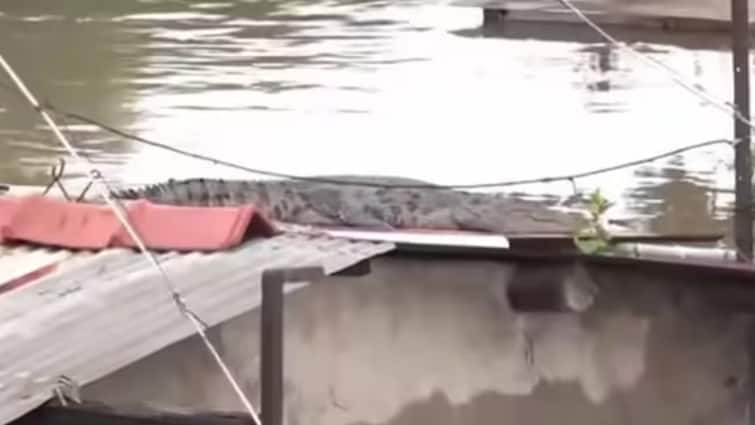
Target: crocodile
(371, 203)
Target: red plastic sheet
(48, 221)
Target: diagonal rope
(123, 219)
(675, 75)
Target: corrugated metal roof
(99, 312)
(18, 262)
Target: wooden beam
(101, 414)
(271, 336)
(742, 154)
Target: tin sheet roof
(94, 313)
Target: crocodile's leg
(355, 216)
(471, 220)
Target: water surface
(410, 88)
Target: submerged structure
(671, 15)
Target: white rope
(717, 103)
(122, 217)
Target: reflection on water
(408, 88)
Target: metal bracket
(56, 175)
(67, 389)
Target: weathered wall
(419, 342)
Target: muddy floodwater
(409, 88)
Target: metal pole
(271, 334)
(750, 347)
(271, 370)
(743, 156)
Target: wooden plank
(565, 243)
(667, 23)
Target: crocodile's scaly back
(315, 203)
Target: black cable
(270, 173)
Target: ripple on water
(43, 18)
(182, 17)
(375, 86)
(210, 6)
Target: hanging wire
(105, 192)
(48, 106)
(346, 182)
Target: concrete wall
(435, 342)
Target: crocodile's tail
(194, 192)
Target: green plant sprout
(592, 237)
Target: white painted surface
(431, 238)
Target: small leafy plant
(592, 237)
